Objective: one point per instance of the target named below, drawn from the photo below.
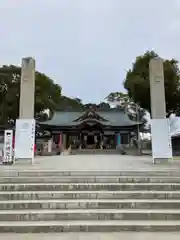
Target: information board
(8, 149)
(161, 138)
(25, 138)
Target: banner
(25, 138)
(8, 149)
(161, 138)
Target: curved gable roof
(90, 114)
(118, 118)
(72, 118)
(62, 118)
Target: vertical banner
(25, 139)
(118, 139)
(8, 147)
(60, 142)
(161, 138)
(50, 142)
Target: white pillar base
(160, 160)
(26, 161)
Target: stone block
(90, 179)
(83, 204)
(89, 226)
(89, 186)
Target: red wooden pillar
(60, 141)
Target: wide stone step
(54, 173)
(88, 186)
(87, 226)
(91, 179)
(90, 204)
(90, 215)
(94, 151)
(48, 195)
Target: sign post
(161, 139)
(25, 139)
(8, 148)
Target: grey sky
(86, 45)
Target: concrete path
(93, 162)
(94, 236)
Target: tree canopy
(67, 103)
(125, 103)
(47, 93)
(137, 82)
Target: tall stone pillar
(25, 125)
(158, 109)
(157, 92)
(27, 89)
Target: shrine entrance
(91, 135)
(91, 129)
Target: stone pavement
(93, 236)
(93, 162)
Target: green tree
(47, 93)
(90, 106)
(119, 99)
(126, 104)
(67, 103)
(137, 83)
(104, 105)
(78, 100)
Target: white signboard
(25, 138)
(8, 149)
(161, 138)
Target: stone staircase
(89, 201)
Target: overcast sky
(87, 45)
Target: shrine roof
(75, 118)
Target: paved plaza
(93, 162)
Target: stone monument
(157, 95)
(25, 125)
(157, 92)
(27, 89)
